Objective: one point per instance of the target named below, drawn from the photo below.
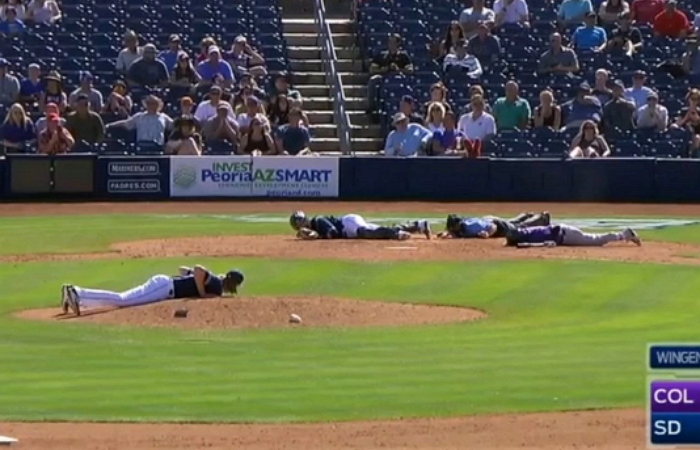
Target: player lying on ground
(490, 226)
(566, 235)
(352, 226)
(191, 283)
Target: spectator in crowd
(407, 139)
(438, 93)
(484, 45)
(435, 117)
(511, 12)
(454, 33)
(43, 11)
(247, 90)
(447, 140)
(255, 109)
(391, 61)
(31, 87)
(9, 84)
(548, 113)
(244, 59)
(84, 124)
(624, 39)
(130, 53)
(304, 117)
(204, 47)
(208, 108)
(671, 23)
(281, 86)
(148, 70)
(589, 143)
(221, 127)
(86, 88)
(407, 105)
(470, 18)
(187, 107)
(645, 11)
(638, 93)
(652, 116)
(150, 125)
(119, 103)
(247, 86)
(611, 11)
(477, 126)
(51, 108)
(467, 63)
(257, 141)
(589, 36)
(215, 65)
(55, 139)
(184, 77)
(572, 12)
(691, 122)
(584, 107)
(11, 25)
(278, 113)
(184, 140)
(558, 60)
(53, 92)
(693, 99)
(171, 56)
(476, 89)
(17, 130)
(619, 112)
(186, 110)
(20, 10)
(512, 112)
(691, 60)
(293, 138)
(600, 88)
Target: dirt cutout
(266, 312)
(598, 430)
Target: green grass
(560, 335)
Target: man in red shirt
(645, 11)
(671, 23)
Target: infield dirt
(600, 430)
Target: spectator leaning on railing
(150, 125)
(55, 139)
(408, 139)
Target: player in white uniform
(352, 226)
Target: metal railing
(333, 78)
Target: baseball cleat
(403, 235)
(73, 300)
(632, 236)
(64, 298)
(425, 227)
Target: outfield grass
(560, 335)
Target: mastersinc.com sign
(241, 176)
(133, 177)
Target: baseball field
(418, 344)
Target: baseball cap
(4, 62)
(81, 97)
(639, 74)
(174, 38)
(222, 105)
(85, 75)
(240, 40)
(215, 90)
(590, 14)
(399, 117)
(584, 87)
(214, 49)
(34, 66)
(237, 277)
(619, 83)
(408, 99)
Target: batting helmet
(297, 219)
(452, 223)
(235, 278)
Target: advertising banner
(242, 176)
(134, 176)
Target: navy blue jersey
(185, 287)
(534, 235)
(327, 227)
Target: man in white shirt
(477, 125)
(652, 116)
(207, 109)
(470, 18)
(461, 58)
(511, 11)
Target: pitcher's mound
(262, 312)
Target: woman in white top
(589, 143)
(43, 11)
(19, 9)
(436, 113)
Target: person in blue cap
(196, 282)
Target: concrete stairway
(310, 79)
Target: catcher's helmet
(453, 221)
(297, 219)
(236, 277)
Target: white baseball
(294, 318)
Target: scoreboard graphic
(673, 395)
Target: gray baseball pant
(574, 237)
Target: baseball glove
(307, 234)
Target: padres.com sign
(242, 176)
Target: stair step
(309, 25)
(344, 39)
(314, 52)
(316, 65)
(330, 130)
(311, 39)
(320, 77)
(367, 144)
(325, 144)
(323, 90)
(326, 116)
(358, 145)
(326, 103)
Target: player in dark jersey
(196, 282)
(566, 235)
(490, 226)
(352, 226)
